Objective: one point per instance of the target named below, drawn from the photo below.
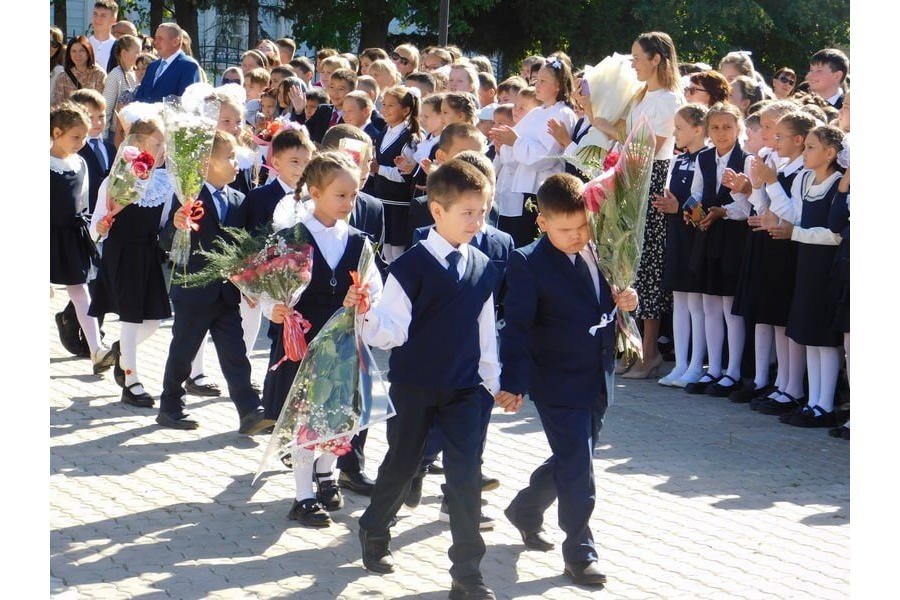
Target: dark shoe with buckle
(309, 513)
(774, 407)
(761, 399)
(585, 572)
(718, 390)
(840, 432)
(375, 553)
(700, 387)
(535, 540)
(176, 421)
(103, 359)
(749, 393)
(209, 389)
(489, 483)
(328, 493)
(254, 422)
(140, 399)
(414, 495)
(812, 416)
(470, 590)
(359, 483)
(118, 371)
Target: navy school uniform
(839, 222)
(716, 255)
(96, 172)
(547, 352)
(72, 251)
(244, 182)
(372, 130)
(395, 195)
(261, 202)
(768, 268)
(812, 309)
(368, 217)
(680, 236)
(437, 370)
(214, 308)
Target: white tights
(81, 298)
(303, 465)
(822, 364)
(130, 336)
(714, 309)
(689, 331)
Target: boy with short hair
(213, 308)
(437, 316)
(827, 70)
(555, 294)
(102, 19)
(358, 109)
(97, 152)
(421, 80)
(286, 49)
(304, 69)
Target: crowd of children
(462, 187)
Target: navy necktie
(453, 258)
(95, 145)
(221, 205)
(482, 243)
(585, 273)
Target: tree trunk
(253, 25)
(376, 18)
(156, 15)
(186, 17)
(59, 16)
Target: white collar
(168, 61)
(793, 166)
(316, 226)
(441, 246)
(833, 100)
(287, 189)
(213, 189)
(724, 158)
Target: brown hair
(714, 83)
(407, 99)
(89, 97)
(560, 194)
(86, 44)
(325, 166)
(659, 43)
(451, 180)
(800, 123)
(60, 41)
(458, 131)
(694, 114)
(258, 76)
(67, 115)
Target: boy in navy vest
(437, 314)
(555, 294)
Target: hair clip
(554, 62)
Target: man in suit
(213, 308)
(172, 72)
(556, 294)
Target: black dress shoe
(142, 400)
(489, 483)
(254, 422)
(102, 363)
(176, 421)
(749, 393)
(375, 553)
(774, 407)
(414, 495)
(840, 432)
(718, 390)
(475, 590)
(535, 540)
(118, 371)
(210, 390)
(585, 572)
(356, 482)
(309, 513)
(812, 416)
(700, 387)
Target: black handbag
(70, 334)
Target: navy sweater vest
(442, 349)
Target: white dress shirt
(778, 199)
(587, 255)
(739, 208)
(536, 152)
(386, 325)
(390, 172)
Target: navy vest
(706, 162)
(442, 349)
(382, 187)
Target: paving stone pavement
(696, 498)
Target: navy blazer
(260, 204)
(545, 347)
(368, 217)
(317, 124)
(183, 71)
(203, 238)
(96, 173)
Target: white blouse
(660, 107)
(536, 152)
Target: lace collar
(159, 190)
(66, 165)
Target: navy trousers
(568, 475)
(223, 322)
(460, 423)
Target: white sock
(302, 460)
(146, 329)
(681, 331)
(715, 333)
(736, 335)
(762, 344)
(796, 369)
(782, 356)
(698, 335)
(128, 334)
(81, 299)
(830, 365)
(325, 464)
(814, 374)
(250, 321)
(197, 363)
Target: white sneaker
(687, 378)
(670, 379)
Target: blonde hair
(385, 67)
(324, 167)
(66, 115)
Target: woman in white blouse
(656, 64)
(122, 80)
(535, 151)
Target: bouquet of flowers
(616, 202)
(130, 173)
(278, 266)
(337, 391)
(263, 136)
(189, 141)
(610, 85)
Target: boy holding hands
(437, 314)
(555, 293)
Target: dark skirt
(716, 256)
(812, 309)
(277, 383)
(72, 252)
(523, 228)
(654, 300)
(396, 225)
(132, 284)
(840, 293)
(680, 238)
(765, 286)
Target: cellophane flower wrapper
(337, 392)
(190, 131)
(616, 204)
(131, 173)
(612, 84)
